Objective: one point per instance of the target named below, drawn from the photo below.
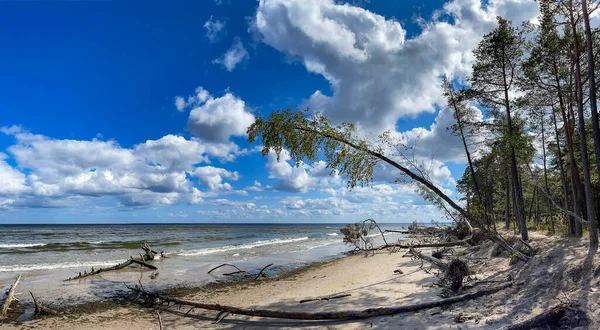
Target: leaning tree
(308, 135)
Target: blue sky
(92, 131)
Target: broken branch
(9, 299)
(40, 309)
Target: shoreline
(365, 283)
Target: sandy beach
(371, 282)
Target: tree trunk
(587, 183)
(519, 205)
(546, 177)
(592, 221)
(507, 212)
(563, 180)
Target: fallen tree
(149, 255)
(307, 135)
(10, 297)
(156, 300)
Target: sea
(45, 255)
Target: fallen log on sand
(9, 299)
(116, 267)
(154, 299)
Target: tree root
(9, 299)
(152, 299)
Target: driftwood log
(10, 296)
(41, 309)
(122, 265)
(152, 299)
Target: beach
(386, 278)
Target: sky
(136, 111)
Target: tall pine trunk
(592, 221)
(563, 180)
(587, 182)
(546, 178)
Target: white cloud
(179, 103)
(234, 56)
(153, 172)
(215, 30)
(218, 119)
(301, 178)
(213, 177)
(11, 180)
(378, 75)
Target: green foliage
(306, 136)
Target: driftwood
(239, 271)
(10, 296)
(551, 317)
(156, 298)
(122, 265)
(40, 309)
(435, 261)
(230, 265)
(325, 298)
(262, 270)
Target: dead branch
(325, 298)
(159, 320)
(376, 225)
(116, 267)
(435, 261)
(222, 265)
(262, 270)
(153, 298)
(9, 299)
(149, 252)
(40, 309)
(551, 317)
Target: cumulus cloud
(215, 29)
(378, 75)
(12, 181)
(218, 119)
(301, 178)
(153, 172)
(213, 177)
(234, 56)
